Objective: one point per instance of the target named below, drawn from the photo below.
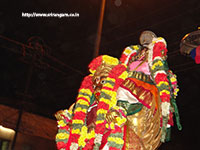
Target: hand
(111, 116)
(59, 115)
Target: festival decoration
(126, 104)
(78, 136)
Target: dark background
(43, 83)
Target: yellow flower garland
(79, 132)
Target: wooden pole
(99, 29)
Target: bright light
(6, 133)
(135, 121)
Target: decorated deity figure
(95, 121)
(124, 104)
(148, 94)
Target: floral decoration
(78, 136)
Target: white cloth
(125, 95)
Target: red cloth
(197, 58)
(91, 116)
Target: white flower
(150, 54)
(74, 146)
(98, 138)
(165, 108)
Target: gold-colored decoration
(143, 95)
(143, 54)
(111, 116)
(140, 76)
(143, 128)
(100, 75)
(60, 114)
(103, 70)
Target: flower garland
(129, 52)
(160, 72)
(115, 139)
(74, 138)
(120, 120)
(156, 57)
(173, 80)
(79, 129)
(64, 130)
(157, 50)
(174, 92)
(108, 96)
(78, 136)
